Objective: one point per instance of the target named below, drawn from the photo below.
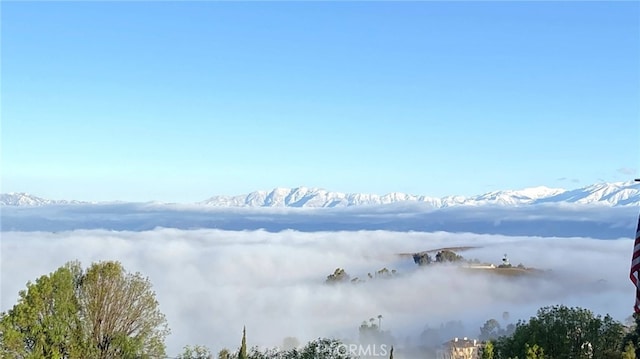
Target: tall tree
(44, 323)
(243, 346)
(121, 313)
(102, 313)
(490, 330)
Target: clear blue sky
(180, 101)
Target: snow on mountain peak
(611, 194)
(26, 199)
(620, 193)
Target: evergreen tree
(243, 346)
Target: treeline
(564, 332)
(339, 275)
(369, 346)
(443, 256)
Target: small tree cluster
(195, 352)
(448, 256)
(443, 256)
(338, 276)
(422, 259)
(492, 330)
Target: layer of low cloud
(210, 283)
(562, 220)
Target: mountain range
(609, 194)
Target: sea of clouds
(212, 282)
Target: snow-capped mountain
(25, 199)
(315, 197)
(610, 194)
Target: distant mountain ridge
(610, 194)
(21, 199)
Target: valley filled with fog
(216, 270)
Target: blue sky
(180, 101)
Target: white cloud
(211, 282)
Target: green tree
(490, 330)
(45, 322)
(563, 332)
(633, 333)
(422, 259)
(339, 275)
(243, 346)
(534, 352)
(224, 354)
(447, 256)
(196, 352)
(121, 313)
(323, 348)
(486, 352)
(629, 351)
(102, 313)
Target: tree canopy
(104, 312)
(563, 332)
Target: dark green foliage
(563, 332)
(448, 256)
(443, 256)
(422, 259)
(492, 330)
(243, 346)
(633, 334)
